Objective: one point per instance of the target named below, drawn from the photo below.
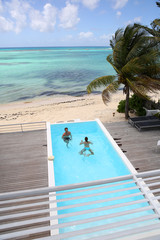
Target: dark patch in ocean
(52, 93)
(60, 79)
(24, 98)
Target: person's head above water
(86, 139)
(66, 129)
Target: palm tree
(154, 30)
(135, 61)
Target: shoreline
(64, 108)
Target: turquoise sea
(27, 73)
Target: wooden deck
(23, 160)
(139, 147)
(23, 155)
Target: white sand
(62, 108)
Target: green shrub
(135, 102)
(121, 106)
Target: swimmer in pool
(66, 136)
(86, 147)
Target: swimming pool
(71, 167)
(108, 161)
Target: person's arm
(63, 135)
(81, 142)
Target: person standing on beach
(67, 136)
(86, 147)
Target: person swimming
(86, 147)
(67, 136)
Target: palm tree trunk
(127, 103)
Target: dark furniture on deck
(148, 125)
(135, 120)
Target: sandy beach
(63, 108)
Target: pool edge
(122, 155)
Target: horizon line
(51, 47)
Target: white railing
(22, 127)
(105, 209)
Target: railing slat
(67, 199)
(67, 207)
(65, 193)
(82, 231)
(100, 209)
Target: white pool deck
(33, 212)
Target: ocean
(27, 73)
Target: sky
(38, 23)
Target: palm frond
(151, 84)
(144, 46)
(117, 36)
(157, 21)
(111, 61)
(111, 88)
(138, 89)
(152, 31)
(147, 64)
(101, 81)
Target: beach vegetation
(121, 106)
(136, 104)
(135, 59)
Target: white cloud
(118, 4)
(69, 16)
(5, 25)
(137, 19)
(85, 34)
(118, 13)
(45, 21)
(106, 37)
(91, 4)
(18, 13)
(17, 10)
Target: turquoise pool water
(71, 167)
